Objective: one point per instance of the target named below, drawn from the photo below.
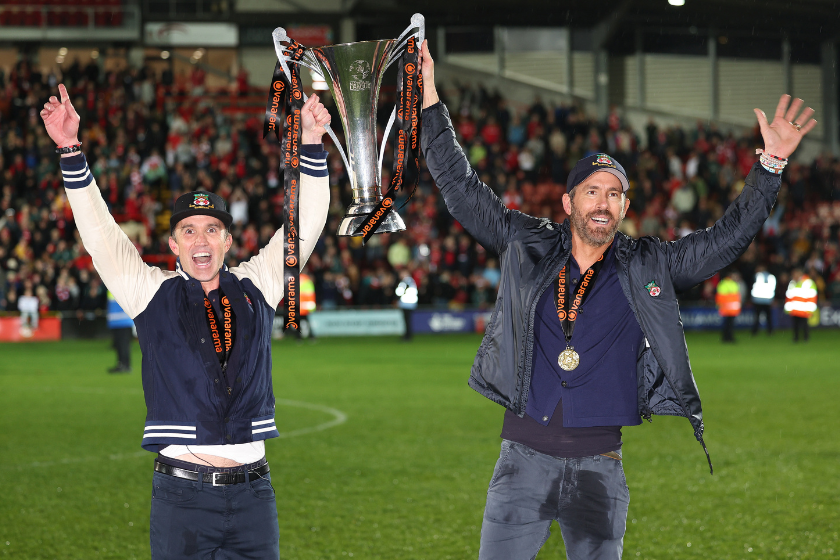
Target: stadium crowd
(147, 143)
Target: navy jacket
(187, 400)
(533, 250)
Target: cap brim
(621, 177)
(225, 218)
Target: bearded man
(205, 333)
(586, 335)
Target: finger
(806, 114)
(63, 92)
(808, 127)
(424, 50)
(310, 102)
(782, 106)
(793, 110)
(53, 100)
(762, 120)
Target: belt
(215, 478)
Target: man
(728, 301)
(121, 326)
(407, 293)
(568, 389)
(205, 334)
(801, 302)
(763, 292)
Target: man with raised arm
(586, 335)
(205, 335)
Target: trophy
(353, 72)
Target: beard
(594, 236)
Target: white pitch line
(338, 419)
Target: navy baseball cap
(200, 203)
(585, 167)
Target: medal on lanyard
(568, 309)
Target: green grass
(406, 475)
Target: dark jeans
(197, 520)
(800, 324)
(768, 315)
(728, 329)
(408, 330)
(122, 344)
(588, 496)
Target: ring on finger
(797, 126)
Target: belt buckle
(213, 477)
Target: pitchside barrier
(378, 322)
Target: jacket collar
(179, 269)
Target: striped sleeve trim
(76, 172)
(314, 163)
(168, 433)
(263, 428)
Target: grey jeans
(588, 496)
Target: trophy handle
(417, 29)
(280, 36)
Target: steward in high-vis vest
(763, 293)
(728, 300)
(800, 302)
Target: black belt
(214, 478)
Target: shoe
(120, 369)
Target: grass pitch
(405, 476)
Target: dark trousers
(192, 520)
(728, 329)
(407, 316)
(768, 316)
(800, 323)
(588, 496)
(122, 344)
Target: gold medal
(568, 359)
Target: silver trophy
(354, 73)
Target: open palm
(61, 119)
(782, 136)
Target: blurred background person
(801, 302)
(762, 293)
(728, 301)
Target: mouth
(201, 260)
(600, 220)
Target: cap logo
(604, 159)
(201, 201)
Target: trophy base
(356, 215)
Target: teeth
(201, 255)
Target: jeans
(197, 520)
(588, 496)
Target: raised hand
(61, 119)
(782, 136)
(427, 68)
(313, 117)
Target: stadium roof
(802, 19)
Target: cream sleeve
(265, 269)
(132, 281)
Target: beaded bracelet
(69, 149)
(773, 164)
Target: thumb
(762, 120)
(71, 111)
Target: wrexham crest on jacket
(653, 289)
(201, 201)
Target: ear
(567, 204)
(625, 207)
(173, 246)
(229, 240)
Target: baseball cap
(200, 203)
(585, 167)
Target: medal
(568, 308)
(568, 359)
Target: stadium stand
(147, 143)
